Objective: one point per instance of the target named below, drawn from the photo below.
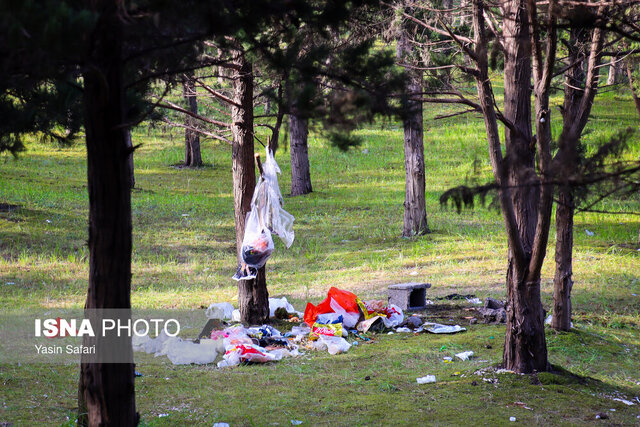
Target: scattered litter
(390, 333)
(334, 345)
(512, 419)
(162, 415)
(403, 330)
(429, 302)
(220, 424)
(436, 328)
(626, 402)
(220, 311)
(137, 374)
(522, 405)
(276, 303)
(589, 233)
(296, 422)
(11, 283)
(426, 379)
(477, 301)
(48, 221)
(447, 359)
(602, 416)
(465, 355)
(612, 410)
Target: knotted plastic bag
(268, 198)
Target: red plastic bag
(347, 300)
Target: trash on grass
(220, 311)
(426, 379)
(436, 328)
(465, 355)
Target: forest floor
(348, 236)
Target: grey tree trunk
(253, 297)
(106, 394)
(300, 172)
(415, 213)
(614, 70)
(192, 155)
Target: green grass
(347, 235)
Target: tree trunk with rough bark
(106, 390)
(132, 176)
(576, 110)
(300, 173)
(253, 296)
(614, 70)
(525, 347)
(192, 155)
(563, 279)
(415, 213)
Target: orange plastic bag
(345, 299)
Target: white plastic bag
(257, 244)
(268, 198)
(335, 345)
(276, 303)
(349, 320)
(220, 311)
(395, 317)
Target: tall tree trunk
(106, 391)
(415, 213)
(563, 280)
(580, 90)
(253, 297)
(614, 70)
(525, 347)
(300, 173)
(192, 156)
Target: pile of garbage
(339, 322)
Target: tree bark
(563, 280)
(106, 391)
(525, 347)
(634, 93)
(253, 296)
(132, 177)
(300, 172)
(415, 213)
(580, 90)
(614, 70)
(192, 155)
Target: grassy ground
(347, 235)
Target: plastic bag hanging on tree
(257, 246)
(268, 198)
